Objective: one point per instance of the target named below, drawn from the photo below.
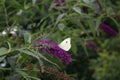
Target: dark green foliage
(43, 19)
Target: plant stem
(6, 15)
(9, 69)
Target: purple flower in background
(58, 2)
(91, 45)
(108, 29)
(53, 49)
(85, 9)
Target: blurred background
(92, 25)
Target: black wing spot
(66, 41)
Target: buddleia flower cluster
(51, 48)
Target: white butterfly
(65, 44)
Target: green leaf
(31, 53)
(37, 55)
(26, 76)
(92, 26)
(74, 48)
(12, 61)
(27, 37)
(59, 18)
(77, 9)
(9, 46)
(117, 24)
(1, 58)
(42, 25)
(98, 20)
(61, 26)
(28, 53)
(3, 51)
(33, 2)
(44, 58)
(84, 4)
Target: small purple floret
(108, 29)
(55, 51)
(91, 45)
(58, 2)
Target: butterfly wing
(65, 44)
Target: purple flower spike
(91, 45)
(58, 2)
(53, 49)
(108, 29)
